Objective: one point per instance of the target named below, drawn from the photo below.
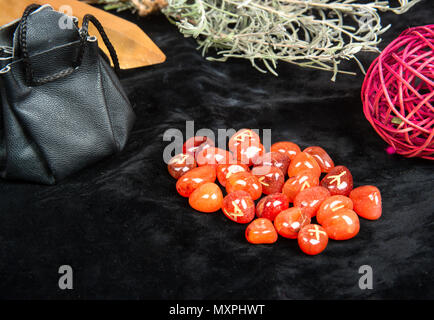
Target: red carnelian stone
(275, 159)
(242, 139)
(312, 239)
(322, 158)
(206, 198)
(367, 202)
(303, 162)
(271, 178)
(331, 205)
(224, 171)
(180, 165)
(338, 181)
(310, 199)
(286, 147)
(214, 156)
(270, 206)
(342, 225)
(244, 181)
(239, 206)
(304, 180)
(194, 178)
(249, 155)
(261, 231)
(289, 222)
(196, 144)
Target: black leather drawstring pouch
(62, 106)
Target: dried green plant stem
(310, 33)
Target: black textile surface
(127, 233)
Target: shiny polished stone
(224, 171)
(214, 156)
(239, 206)
(303, 162)
(270, 206)
(310, 199)
(331, 205)
(206, 198)
(338, 181)
(342, 225)
(323, 159)
(261, 231)
(271, 178)
(244, 181)
(289, 148)
(275, 159)
(312, 239)
(367, 202)
(304, 180)
(242, 139)
(190, 181)
(196, 144)
(289, 222)
(180, 165)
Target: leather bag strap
(24, 52)
(84, 32)
(22, 35)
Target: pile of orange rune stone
(284, 175)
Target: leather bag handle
(22, 35)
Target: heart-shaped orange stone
(367, 202)
(261, 231)
(206, 198)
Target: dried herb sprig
(309, 33)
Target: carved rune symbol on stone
(243, 135)
(305, 185)
(336, 178)
(237, 211)
(317, 232)
(179, 159)
(261, 180)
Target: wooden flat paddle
(134, 48)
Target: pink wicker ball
(398, 93)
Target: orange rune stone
(271, 178)
(206, 198)
(239, 206)
(270, 206)
(342, 225)
(196, 144)
(244, 181)
(312, 239)
(322, 158)
(250, 155)
(286, 147)
(242, 139)
(331, 205)
(224, 171)
(289, 222)
(304, 180)
(180, 165)
(367, 202)
(338, 181)
(261, 231)
(310, 199)
(214, 156)
(194, 178)
(303, 162)
(274, 159)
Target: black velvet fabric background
(128, 235)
